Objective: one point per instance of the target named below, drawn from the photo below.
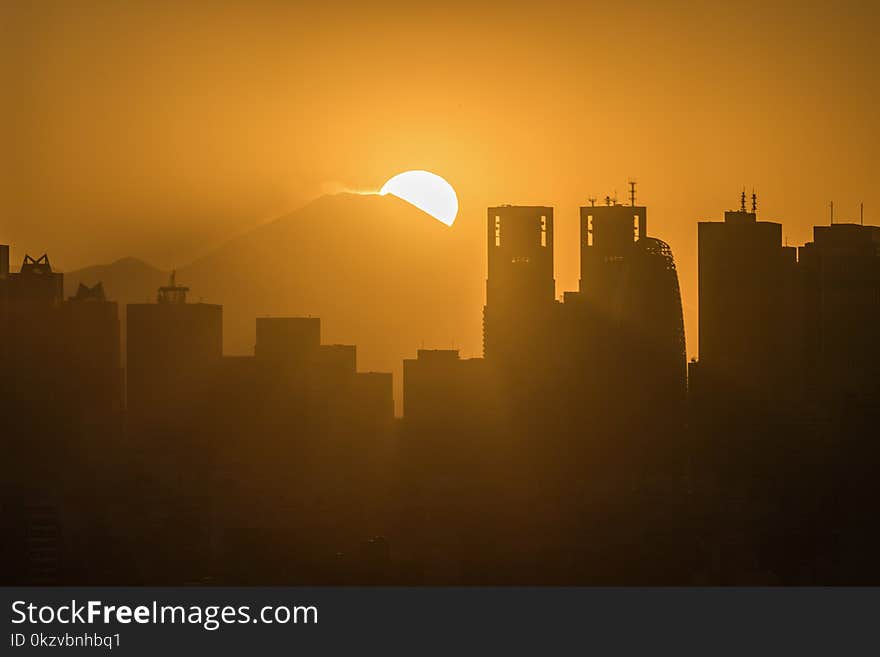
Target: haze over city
(161, 132)
(452, 294)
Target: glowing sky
(158, 130)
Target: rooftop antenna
(592, 201)
(754, 202)
(832, 213)
(742, 201)
(172, 293)
(632, 193)
(607, 200)
(862, 213)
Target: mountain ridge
(380, 273)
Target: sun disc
(427, 191)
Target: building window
(497, 230)
(636, 227)
(589, 230)
(543, 230)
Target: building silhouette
(608, 234)
(299, 425)
(173, 356)
(589, 345)
(783, 402)
(173, 351)
(453, 437)
(61, 403)
(749, 307)
(561, 382)
(840, 270)
(440, 386)
(573, 451)
(520, 287)
(92, 333)
(628, 310)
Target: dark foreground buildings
(557, 472)
(61, 404)
(784, 401)
(241, 469)
(576, 450)
(749, 309)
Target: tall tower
(520, 244)
(608, 235)
(520, 286)
(747, 307)
(33, 390)
(629, 287)
(36, 284)
(34, 333)
(840, 270)
(92, 334)
(173, 350)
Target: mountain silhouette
(379, 273)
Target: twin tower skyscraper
(613, 352)
(526, 460)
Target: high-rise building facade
(520, 287)
(629, 284)
(840, 270)
(749, 305)
(173, 352)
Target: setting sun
(425, 190)
(238, 353)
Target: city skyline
(566, 250)
(213, 130)
(581, 448)
(843, 239)
(465, 321)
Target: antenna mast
(172, 293)
(632, 193)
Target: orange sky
(160, 129)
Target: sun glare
(425, 190)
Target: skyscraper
(748, 305)
(520, 288)
(608, 234)
(93, 370)
(173, 352)
(841, 275)
(60, 399)
(174, 356)
(33, 335)
(628, 315)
